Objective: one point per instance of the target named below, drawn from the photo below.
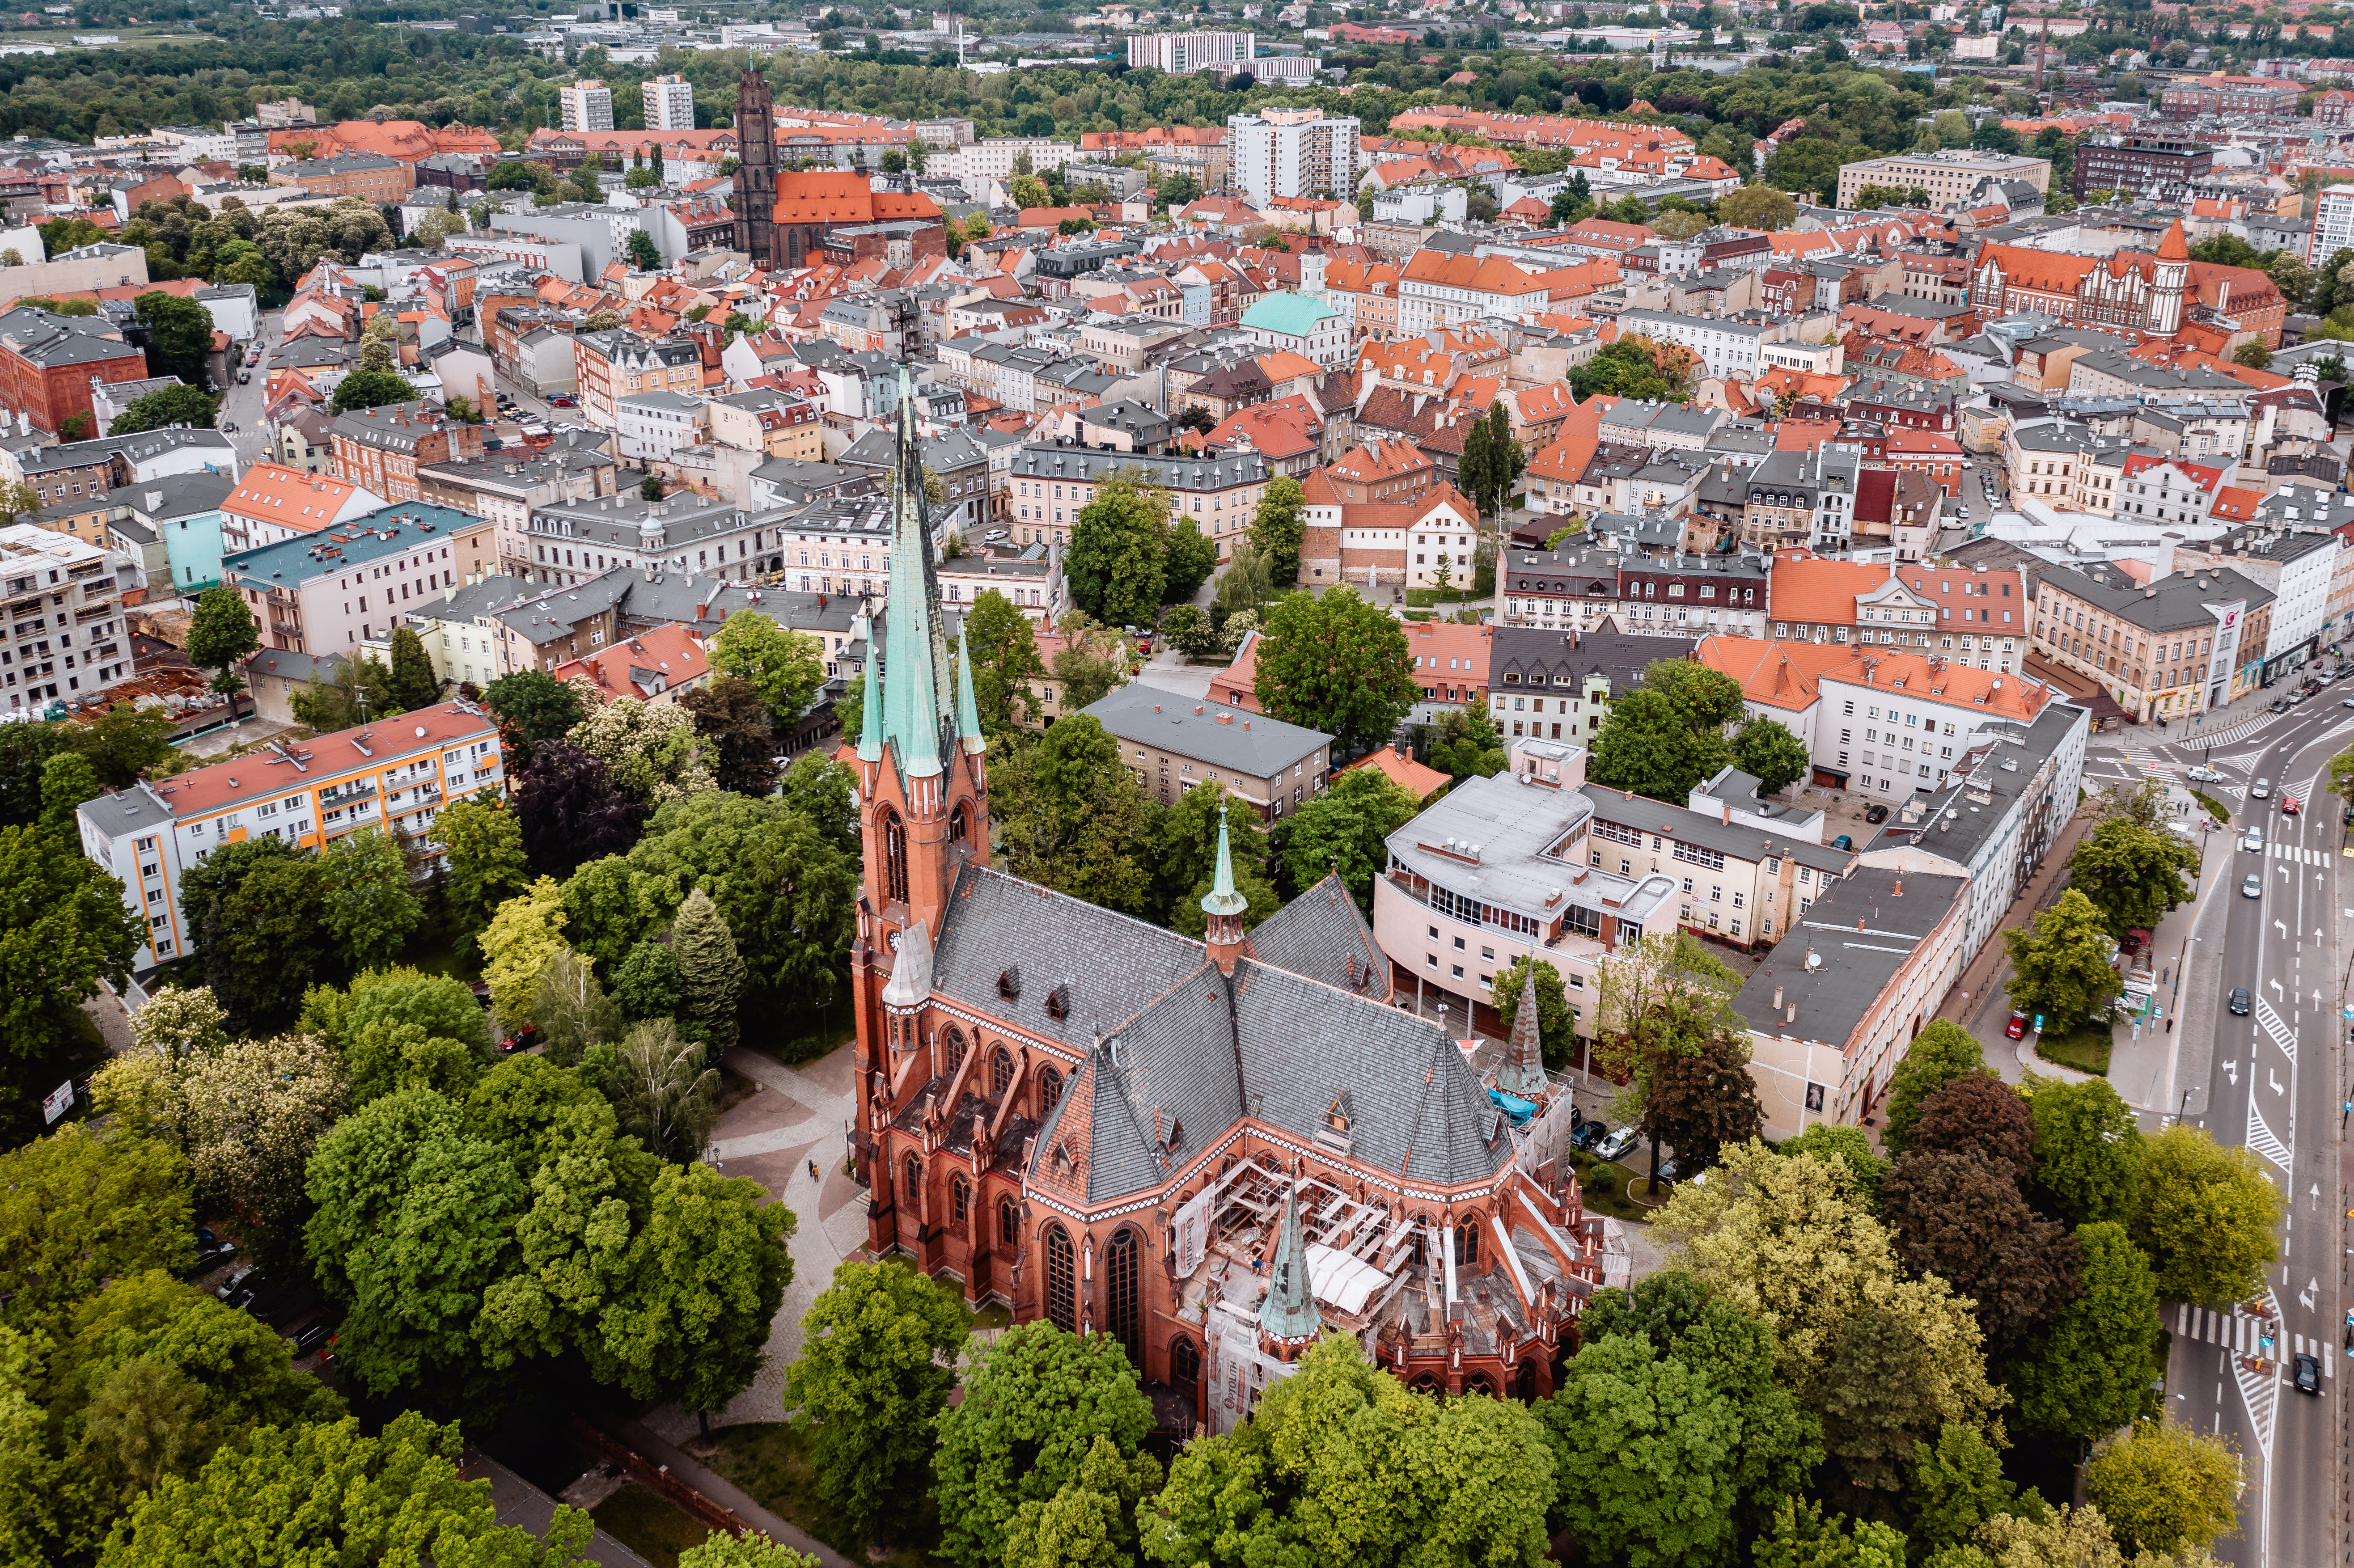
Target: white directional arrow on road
(2275, 1079)
(2275, 984)
(2232, 1070)
(2281, 926)
(2317, 996)
(2312, 1288)
(2317, 1189)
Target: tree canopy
(1336, 664)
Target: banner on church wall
(1194, 1231)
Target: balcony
(343, 794)
(98, 611)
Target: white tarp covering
(1343, 1281)
(1194, 1231)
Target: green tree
(1468, 745)
(2088, 1150)
(370, 902)
(725, 1549)
(1462, 1482)
(738, 731)
(785, 667)
(1345, 830)
(649, 750)
(1766, 747)
(25, 753)
(711, 974)
(874, 1375)
(647, 984)
(1873, 1405)
(1116, 565)
(1980, 1117)
(574, 1012)
(163, 408)
(222, 635)
(644, 254)
(2164, 1486)
(1556, 1022)
(1035, 1404)
(482, 844)
(1192, 556)
(358, 687)
(63, 930)
(825, 792)
(1757, 207)
(1699, 1101)
(1335, 663)
(1003, 648)
(1644, 1453)
(323, 1492)
(523, 935)
(660, 1090)
(1803, 1538)
(1790, 1242)
(124, 741)
(414, 684)
(1648, 748)
(1849, 1147)
(179, 336)
(2061, 968)
(1941, 1052)
(371, 389)
(532, 707)
(1091, 1521)
(2132, 873)
(1073, 816)
(2088, 1372)
(67, 782)
(79, 1208)
(1957, 1486)
(1962, 1219)
(786, 891)
(2207, 1218)
(1186, 865)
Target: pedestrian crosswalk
(2245, 1336)
(2298, 854)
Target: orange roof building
(2129, 292)
(1785, 677)
(653, 666)
(273, 502)
(405, 139)
(1422, 782)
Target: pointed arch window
(1120, 1296)
(1062, 1280)
(1009, 1221)
(1050, 1091)
(960, 824)
(914, 1171)
(956, 1050)
(959, 1199)
(1000, 1073)
(894, 857)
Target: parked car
(559, 401)
(1877, 815)
(2017, 1028)
(1681, 1167)
(1843, 842)
(2240, 1003)
(2278, 705)
(303, 1340)
(523, 1039)
(2260, 790)
(2204, 776)
(1583, 1135)
(245, 1289)
(997, 535)
(2254, 839)
(2254, 887)
(1617, 1144)
(2348, 702)
(2308, 1374)
(244, 377)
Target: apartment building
(616, 364)
(1293, 152)
(1950, 176)
(1578, 587)
(2302, 571)
(371, 176)
(61, 632)
(1972, 616)
(670, 103)
(1893, 724)
(2184, 645)
(1052, 484)
(381, 449)
(503, 489)
(1173, 743)
(395, 774)
(274, 502)
(327, 593)
(1183, 54)
(652, 426)
(587, 106)
(1832, 1012)
(777, 423)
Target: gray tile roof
(1954, 821)
(2169, 604)
(1226, 737)
(1323, 936)
(1549, 658)
(1688, 826)
(1862, 932)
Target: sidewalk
(1976, 1000)
(711, 1484)
(2142, 1067)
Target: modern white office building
(1181, 54)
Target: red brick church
(1213, 1151)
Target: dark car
(1876, 815)
(1681, 1167)
(244, 1290)
(2240, 1003)
(2017, 1028)
(2308, 1374)
(1585, 1133)
(2279, 704)
(303, 1340)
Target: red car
(559, 401)
(2288, 805)
(2017, 1028)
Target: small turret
(1225, 907)
(1287, 1318)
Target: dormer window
(1058, 1003)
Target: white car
(2254, 839)
(2261, 789)
(2204, 776)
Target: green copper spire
(870, 713)
(968, 711)
(1221, 898)
(911, 700)
(1289, 1310)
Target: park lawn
(2085, 1049)
(768, 1460)
(1614, 1202)
(649, 1524)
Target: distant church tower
(923, 785)
(2169, 280)
(756, 167)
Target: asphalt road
(2272, 1080)
(241, 406)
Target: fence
(658, 1478)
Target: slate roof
(1322, 934)
(1228, 737)
(1556, 658)
(1863, 932)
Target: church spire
(912, 698)
(968, 711)
(1289, 1315)
(870, 711)
(1523, 1072)
(1225, 907)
